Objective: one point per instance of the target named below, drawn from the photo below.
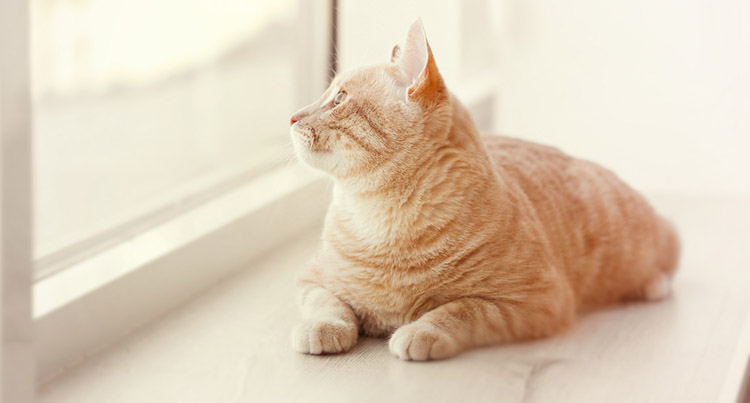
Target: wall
(659, 91)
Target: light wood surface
(232, 343)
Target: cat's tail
(668, 256)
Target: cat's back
(520, 155)
(547, 175)
(603, 233)
(541, 172)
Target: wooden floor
(232, 344)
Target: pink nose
(293, 120)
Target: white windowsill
(54, 257)
(232, 344)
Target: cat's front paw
(324, 336)
(420, 341)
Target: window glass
(138, 103)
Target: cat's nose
(299, 115)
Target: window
(144, 109)
(159, 149)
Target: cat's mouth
(309, 139)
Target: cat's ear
(395, 53)
(418, 66)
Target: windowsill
(232, 344)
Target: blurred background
(143, 109)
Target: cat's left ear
(395, 53)
(418, 66)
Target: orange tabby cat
(446, 240)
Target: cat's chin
(318, 159)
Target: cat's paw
(420, 341)
(324, 336)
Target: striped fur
(444, 240)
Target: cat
(446, 240)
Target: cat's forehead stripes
(372, 80)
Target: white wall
(659, 91)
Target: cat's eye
(340, 97)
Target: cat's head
(376, 118)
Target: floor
(232, 343)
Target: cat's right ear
(395, 53)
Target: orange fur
(446, 240)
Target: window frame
(16, 348)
